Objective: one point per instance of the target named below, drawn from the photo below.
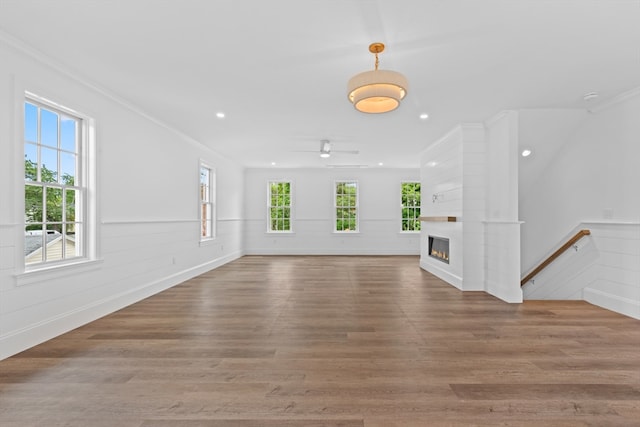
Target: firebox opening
(439, 248)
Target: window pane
(54, 205)
(53, 211)
(68, 168)
(68, 129)
(33, 203)
(71, 249)
(73, 228)
(279, 201)
(49, 165)
(204, 184)
(31, 162)
(30, 122)
(54, 243)
(346, 202)
(410, 206)
(48, 128)
(205, 230)
(33, 242)
(71, 198)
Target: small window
(207, 202)
(346, 206)
(56, 171)
(279, 206)
(410, 205)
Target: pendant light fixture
(377, 91)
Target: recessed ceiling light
(424, 116)
(220, 115)
(526, 152)
(273, 163)
(380, 164)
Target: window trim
(212, 202)
(402, 206)
(291, 206)
(86, 172)
(335, 206)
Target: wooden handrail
(579, 235)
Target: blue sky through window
(57, 135)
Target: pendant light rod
(376, 48)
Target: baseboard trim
(625, 306)
(323, 252)
(32, 335)
(510, 295)
(450, 278)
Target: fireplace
(439, 248)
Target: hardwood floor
(331, 341)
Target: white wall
(148, 229)
(471, 173)
(442, 175)
(379, 210)
(591, 182)
(474, 201)
(594, 176)
(502, 227)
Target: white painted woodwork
(584, 170)
(502, 228)
(589, 182)
(313, 217)
(453, 184)
(148, 229)
(602, 268)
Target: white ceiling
(278, 69)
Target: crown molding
(48, 61)
(624, 96)
(499, 115)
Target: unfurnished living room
(373, 213)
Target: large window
(55, 187)
(346, 206)
(410, 205)
(207, 202)
(279, 206)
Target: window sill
(280, 233)
(57, 271)
(207, 242)
(342, 233)
(409, 233)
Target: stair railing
(579, 235)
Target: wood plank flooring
(330, 341)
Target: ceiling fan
(325, 150)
